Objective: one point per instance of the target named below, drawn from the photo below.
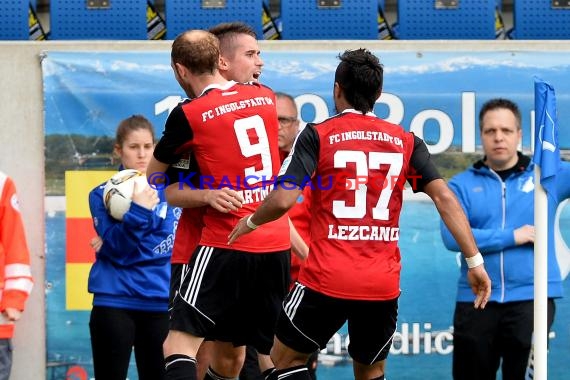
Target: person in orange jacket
(15, 275)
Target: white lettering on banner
(417, 342)
(440, 342)
(363, 233)
(395, 106)
(319, 105)
(166, 105)
(445, 129)
(396, 111)
(468, 121)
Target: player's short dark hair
(197, 50)
(227, 31)
(227, 28)
(500, 103)
(360, 75)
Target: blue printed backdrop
(435, 94)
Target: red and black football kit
(232, 132)
(359, 165)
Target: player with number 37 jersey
(355, 232)
(230, 129)
(358, 164)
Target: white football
(119, 189)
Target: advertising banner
(435, 94)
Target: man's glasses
(286, 120)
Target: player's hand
(146, 197)
(224, 200)
(12, 314)
(480, 285)
(240, 229)
(524, 234)
(96, 243)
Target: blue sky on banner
(89, 92)
(546, 151)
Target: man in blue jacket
(497, 194)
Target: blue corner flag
(546, 150)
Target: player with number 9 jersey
(232, 132)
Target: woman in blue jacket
(497, 194)
(130, 277)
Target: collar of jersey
(219, 86)
(352, 110)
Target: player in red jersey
(299, 217)
(240, 57)
(359, 164)
(240, 61)
(231, 293)
(299, 213)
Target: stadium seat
(182, 15)
(14, 20)
(37, 32)
(98, 19)
(446, 19)
(540, 20)
(329, 19)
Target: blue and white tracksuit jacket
(495, 209)
(132, 268)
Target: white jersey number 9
(261, 147)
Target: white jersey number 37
(363, 163)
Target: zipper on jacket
(503, 222)
(504, 205)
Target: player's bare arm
(223, 200)
(298, 245)
(155, 166)
(454, 218)
(275, 205)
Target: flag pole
(546, 158)
(540, 336)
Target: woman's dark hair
(131, 124)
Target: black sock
(294, 373)
(180, 367)
(212, 375)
